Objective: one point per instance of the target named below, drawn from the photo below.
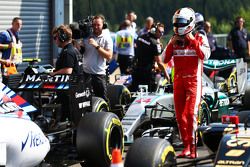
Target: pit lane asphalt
(66, 156)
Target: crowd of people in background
(124, 43)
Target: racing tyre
(204, 114)
(246, 97)
(99, 105)
(203, 120)
(118, 94)
(150, 152)
(97, 134)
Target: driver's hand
(190, 36)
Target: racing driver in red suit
(188, 52)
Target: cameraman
(188, 52)
(98, 49)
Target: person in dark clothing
(147, 52)
(211, 39)
(238, 39)
(199, 24)
(67, 63)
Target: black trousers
(99, 85)
(242, 53)
(125, 62)
(142, 76)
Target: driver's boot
(193, 152)
(185, 152)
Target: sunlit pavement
(66, 161)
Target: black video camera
(83, 28)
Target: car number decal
(238, 141)
(223, 102)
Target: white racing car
(22, 142)
(92, 134)
(144, 115)
(151, 150)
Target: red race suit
(188, 67)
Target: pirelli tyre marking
(100, 105)
(108, 130)
(125, 92)
(166, 151)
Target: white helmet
(199, 18)
(183, 21)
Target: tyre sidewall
(95, 140)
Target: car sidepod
(234, 150)
(26, 144)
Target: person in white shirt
(98, 50)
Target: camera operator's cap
(183, 21)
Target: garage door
(35, 33)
